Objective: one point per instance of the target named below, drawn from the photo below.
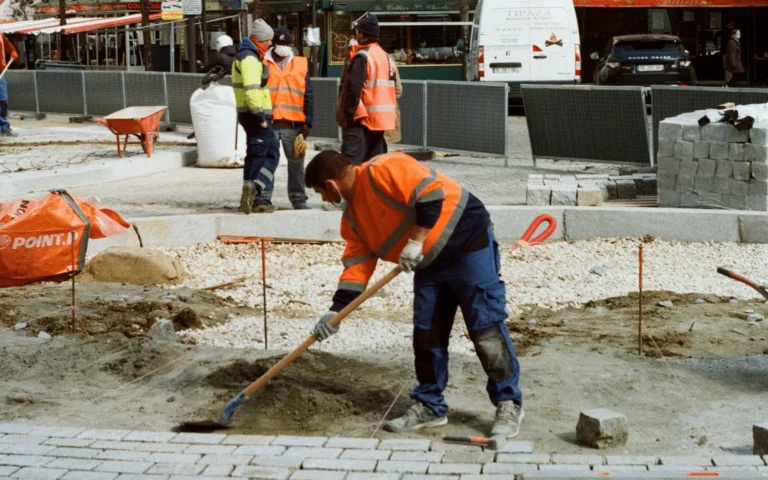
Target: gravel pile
(301, 280)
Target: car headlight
(614, 64)
(685, 63)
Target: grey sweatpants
(297, 191)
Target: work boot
(301, 206)
(248, 197)
(509, 416)
(9, 133)
(262, 206)
(416, 417)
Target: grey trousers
(297, 191)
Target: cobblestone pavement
(26, 158)
(44, 452)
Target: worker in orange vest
(7, 50)
(292, 110)
(368, 95)
(401, 211)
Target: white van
(525, 41)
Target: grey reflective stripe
(382, 108)
(261, 184)
(237, 85)
(262, 111)
(354, 286)
(402, 229)
(352, 223)
(283, 88)
(389, 200)
(433, 196)
(380, 83)
(255, 86)
(447, 231)
(424, 183)
(267, 174)
(352, 261)
(287, 107)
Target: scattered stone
(700, 301)
(20, 326)
(137, 266)
(755, 317)
(703, 440)
(162, 331)
(170, 399)
(532, 321)
(740, 332)
(599, 270)
(666, 304)
(733, 301)
(740, 315)
(135, 327)
(602, 428)
(44, 336)
(187, 318)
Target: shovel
(229, 410)
(762, 289)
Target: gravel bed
(301, 280)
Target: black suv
(644, 60)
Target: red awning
(671, 3)
(100, 24)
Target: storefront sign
(192, 7)
(172, 10)
(670, 3)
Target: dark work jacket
(223, 58)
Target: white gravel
(301, 280)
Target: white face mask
(352, 42)
(283, 50)
(340, 204)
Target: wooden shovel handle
(296, 353)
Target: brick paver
(341, 465)
(211, 449)
(311, 452)
(16, 428)
(318, 475)
(631, 460)
(173, 458)
(266, 473)
(287, 441)
(219, 470)
(112, 445)
(432, 457)
(176, 469)
(408, 445)
(248, 440)
(226, 459)
(454, 468)
(373, 476)
(27, 449)
(162, 447)
(75, 463)
(24, 460)
(259, 450)
(366, 454)
(40, 473)
(685, 460)
(69, 442)
(159, 437)
(738, 460)
(291, 463)
(80, 475)
(104, 434)
(389, 466)
(124, 467)
(122, 455)
(199, 438)
(26, 439)
(352, 443)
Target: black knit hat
(369, 26)
(283, 36)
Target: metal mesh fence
(467, 117)
(412, 110)
(60, 92)
(181, 86)
(326, 93)
(673, 101)
(104, 92)
(605, 124)
(144, 89)
(21, 86)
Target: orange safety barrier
(526, 241)
(47, 239)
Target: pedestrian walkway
(40, 452)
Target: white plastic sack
(214, 119)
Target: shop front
(702, 25)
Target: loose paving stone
(211, 449)
(738, 460)
(111, 445)
(124, 467)
(34, 473)
(16, 428)
(602, 428)
(28, 439)
(373, 476)
(157, 437)
(74, 464)
(226, 459)
(74, 452)
(289, 441)
(454, 468)
(366, 454)
(631, 460)
(26, 449)
(454, 447)
(335, 464)
(262, 450)
(469, 457)
(318, 475)
(516, 447)
(290, 463)
(77, 475)
(221, 470)
(248, 440)
(162, 447)
(352, 443)
(686, 460)
(432, 457)
(104, 434)
(176, 469)
(124, 455)
(173, 458)
(268, 473)
(25, 460)
(389, 466)
(309, 452)
(406, 445)
(199, 438)
(578, 459)
(509, 468)
(524, 458)
(69, 442)
(564, 468)
(61, 432)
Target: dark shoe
(509, 415)
(416, 417)
(248, 197)
(264, 208)
(301, 206)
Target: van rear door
(505, 42)
(552, 44)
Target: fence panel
(60, 92)
(104, 92)
(600, 124)
(21, 89)
(412, 110)
(326, 93)
(468, 117)
(672, 101)
(181, 86)
(144, 89)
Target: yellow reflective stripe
(442, 240)
(352, 261)
(354, 286)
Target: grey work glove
(411, 255)
(322, 329)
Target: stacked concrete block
(589, 189)
(715, 166)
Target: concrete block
(667, 182)
(211, 449)
(248, 440)
(668, 198)
(469, 457)
(738, 461)
(74, 464)
(373, 476)
(291, 463)
(736, 152)
(198, 438)
(579, 459)
(124, 455)
(666, 147)
(735, 202)
(754, 228)
(317, 475)
(220, 470)
(670, 130)
(734, 135)
(691, 133)
(158, 437)
(162, 447)
(344, 465)
(739, 187)
(589, 197)
(688, 168)
(176, 469)
(714, 132)
(353, 443)
(668, 165)
(366, 454)
(516, 447)
(631, 460)
(310, 452)
(721, 185)
(37, 473)
(700, 149)
(455, 469)
(758, 134)
(16, 428)
(707, 167)
(758, 188)
(173, 458)
(564, 195)
(679, 460)
(60, 432)
(262, 450)
(389, 466)
(757, 204)
(69, 442)
(225, 459)
(432, 457)
(538, 195)
(760, 438)
(742, 170)
(626, 189)
(289, 441)
(724, 168)
(755, 153)
(688, 200)
(80, 475)
(74, 452)
(759, 171)
(703, 184)
(27, 449)
(124, 467)
(684, 150)
(710, 199)
(266, 473)
(719, 150)
(26, 439)
(509, 468)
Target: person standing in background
(733, 64)
(7, 51)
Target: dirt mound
(653, 298)
(137, 266)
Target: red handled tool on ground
(492, 443)
(229, 410)
(526, 241)
(762, 289)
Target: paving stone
(758, 188)
(631, 460)
(684, 183)
(6, 471)
(318, 475)
(173, 458)
(74, 452)
(199, 438)
(61, 432)
(538, 195)
(565, 195)
(589, 197)
(16, 428)
(69, 442)
(755, 153)
(668, 165)
(454, 468)
(110, 445)
(676, 468)
(469, 457)
(432, 457)
(177, 469)
(248, 440)
(373, 476)
(707, 167)
(739, 187)
(758, 203)
(758, 134)
(162, 447)
(255, 471)
(25, 460)
(559, 459)
(620, 469)
(760, 438)
(218, 469)
(666, 148)
(509, 468)
(738, 461)
(74, 464)
(742, 170)
(714, 132)
(736, 152)
(516, 447)
(211, 449)
(352, 443)
(36, 473)
(684, 150)
(454, 447)
(124, 467)
(79, 475)
(719, 151)
(159, 437)
(734, 468)
(261, 450)
(735, 202)
(430, 477)
(700, 150)
(702, 184)
(759, 171)
(524, 458)
(691, 133)
(26, 449)
(406, 445)
(670, 130)
(722, 186)
(124, 455)
(686, 460)
(724, 168)
(290, 463)
(28, 439)
(289, 441)
(309, 452)
(389, 466)
(104, 434)
(134, 476)
(226, 459)
(366, 454)
(564, 468)
(334, 464)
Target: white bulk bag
(214, 119)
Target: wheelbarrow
(141, 122)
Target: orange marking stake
(526, 240)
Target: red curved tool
(526, 241)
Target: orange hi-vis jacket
(6, 48)
(288, 88)
(378, 221)
(377, 110)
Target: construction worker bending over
(402, 211)
(368, 95)
(292, 111)
(254, 107)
